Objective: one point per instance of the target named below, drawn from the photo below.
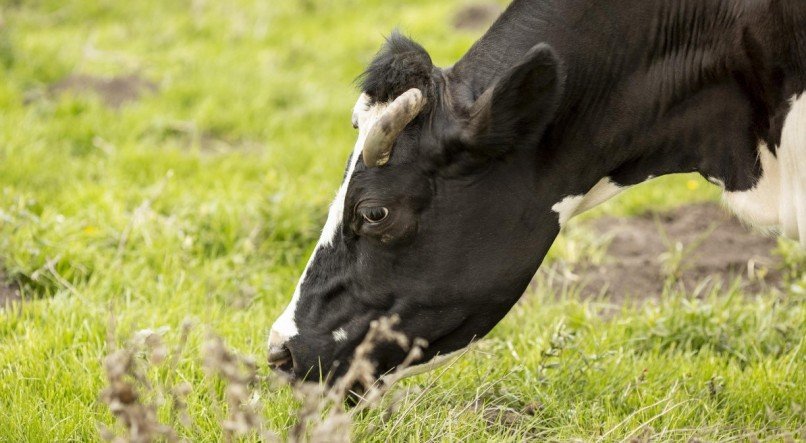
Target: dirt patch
(188, 135)
(693, 247)
(114, 91)
(9, 292)
(476, 17)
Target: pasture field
(163, 161)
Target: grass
(131, 211)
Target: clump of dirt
(476, 17)
(9, 292)
(114, 91)
(692, 246)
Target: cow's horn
(381, 137)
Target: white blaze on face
(778, 201)
(574, 205)
(364, 116)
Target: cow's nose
(280, 358)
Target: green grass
(129, 211)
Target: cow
(462, 177)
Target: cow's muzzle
(281, 360)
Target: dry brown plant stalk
(322, 416)
(127, 382)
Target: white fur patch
(339, 335)
(716, 181)
(567, 208)
(759, 206)
(364, 117)
(778, 201)
(284, 327)
(574, 205)
(792, 157)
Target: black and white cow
(462, 177)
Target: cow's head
(440, 218)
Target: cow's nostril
(280, 359)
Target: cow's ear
(518, 107)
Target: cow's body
(665, 86)
(469, 172)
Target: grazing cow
(463, 176)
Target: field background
(199, 191)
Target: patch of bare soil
(114, 91)
(189, 135)
(476, 17)
(9, 292)
(694, 246)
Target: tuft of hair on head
(400, 65)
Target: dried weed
(323, 416)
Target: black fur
(400, 65)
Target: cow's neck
(641, 101)
(526, 23)
(523, 25)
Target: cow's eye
(374, 215)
